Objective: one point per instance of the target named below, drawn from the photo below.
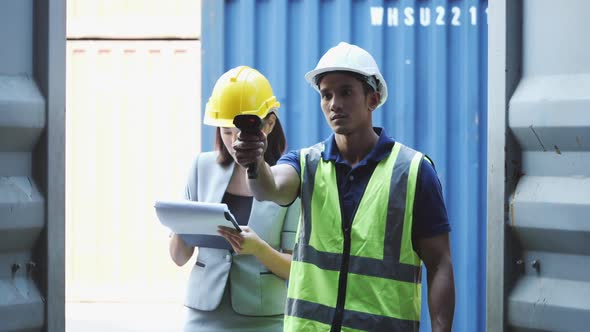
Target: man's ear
(374, 99)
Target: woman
(237, 283)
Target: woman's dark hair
(275, 146)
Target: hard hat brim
(311, 75)
(218, 122)
(229, 123)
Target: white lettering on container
(409, 14)
(376, 16)
(456, 14)
(440, 15)
(392, 17)
(427, 16)
(473, 12)
(424, 16)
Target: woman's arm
(249, 243)
(179, 251)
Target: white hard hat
(347, 57)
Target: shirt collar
(379, 152)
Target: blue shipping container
(433, 55)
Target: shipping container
(433, 55)
(32, 165)
(133, 95)
(133, 100)
(538, 258)
(133, 130)
(133, 19)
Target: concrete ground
(124, 317)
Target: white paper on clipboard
(190, 217)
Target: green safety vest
(373, 261)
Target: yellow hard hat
(241, 90)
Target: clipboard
(195, 218)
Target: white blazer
(255, 291)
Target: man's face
(344, 103)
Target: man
(372, 212)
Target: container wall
(433, 55)
(124, 19)
(31, 165)
(132, 131)
(546, 226)
(504, 67)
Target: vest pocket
(255, 291)
(273, 292)
(208, 279)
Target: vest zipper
(344, 267)
(342, 281)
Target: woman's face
(229, 136)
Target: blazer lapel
(217, 179)
(263, 219)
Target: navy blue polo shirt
(430, 214)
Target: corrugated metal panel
(134, 19)
(31, 171)
(133, 119)
(22, 205)
(17, 54)
(546, 267)
(433, 55)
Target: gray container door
(32, 113)
(538, 174)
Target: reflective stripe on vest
(383, 291)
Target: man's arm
(436, 254)
(279, 183)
